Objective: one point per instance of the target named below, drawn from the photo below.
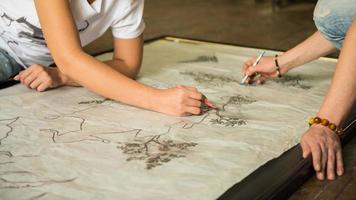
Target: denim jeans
(8, 66)
(333, 19)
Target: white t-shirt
(21, 35)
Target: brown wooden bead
(332, 126)
(317, 120)
(325, 122)
(311, 121)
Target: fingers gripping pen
(254, 64)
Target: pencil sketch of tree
(153, 148)
(296, 81)
(150, 147)
(231, 120)
(210, 79)
(155, 151)
(223, 118)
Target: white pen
(254, 64)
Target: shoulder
(122, 5)
(127, 18)
(119, 9)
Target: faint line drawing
(94, 102)
(210, 79)
(38, 196)
(9, 126)
(6, 163)
(6, 153)
(5, 183)
(212, 59)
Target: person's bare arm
(322, 143)
(126, 60)
(127, 56)
(310, 49)
(63, 41)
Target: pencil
(254, 64)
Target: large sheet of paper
(69, 143)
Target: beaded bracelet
(277, 66)
(326, 123)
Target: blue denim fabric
(8, 66)
(333, 19)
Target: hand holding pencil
(265, 68)
(181, 101)
(254, 65)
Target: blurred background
(269, 24)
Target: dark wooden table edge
(279, 178)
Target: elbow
(136, 68)
(135, 71)
(66, 61)
(127, 68)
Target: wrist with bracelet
(278, 68)
(326, 123)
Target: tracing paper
(69, 143)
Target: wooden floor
(241, 22)
(245, 22)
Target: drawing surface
(69, 143)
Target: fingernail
(317, 168)
(210, 104)
(331, 177)
(16, 78)
(339, 172)
(320, 176)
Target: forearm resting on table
(106, 81)
(118, 65)
(130, 71)
(312, 48)
(63, 41)
(342, 93)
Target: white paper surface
(69, 143)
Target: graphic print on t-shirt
(33, 33)
(26, 39)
